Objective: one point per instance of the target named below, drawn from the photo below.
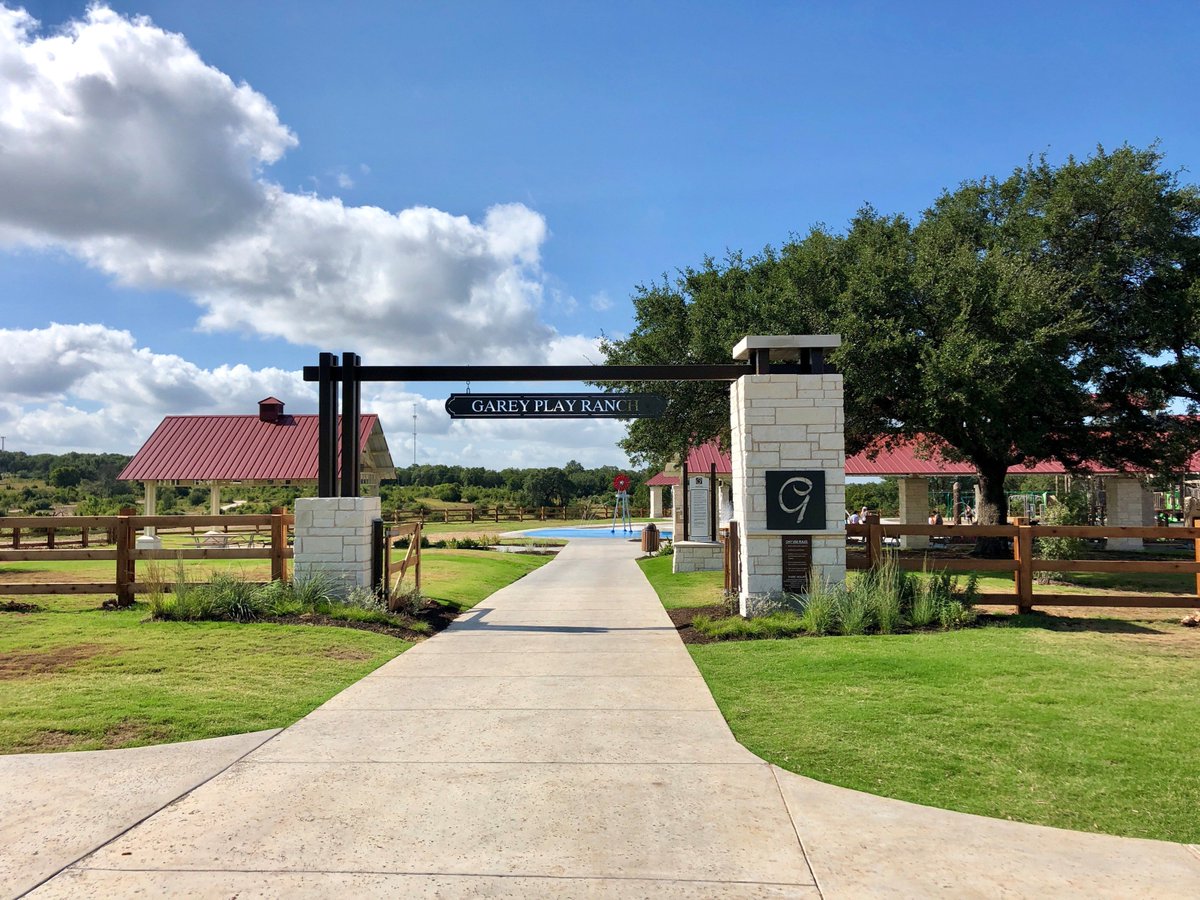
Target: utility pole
(414, 434)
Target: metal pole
(687, 488)
(327, 428)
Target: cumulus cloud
(91, 387)
(120, 144)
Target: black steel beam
(327, 428)
(687, 489)
(351, 393)
(706, 372)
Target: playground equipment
(621, 507)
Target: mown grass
(685, 589)
(461, 578)
(1087, 724)
(74, 677)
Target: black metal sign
(797, 563)
(555, 406)
(796, 500)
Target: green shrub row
(231, 598)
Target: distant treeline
(550, 486)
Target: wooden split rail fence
(126, 556)
(1024, 563)
(398, 569)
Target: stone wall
(1127, 502)
(914, 510)
(333, 537)
(697, 556)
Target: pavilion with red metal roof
(269, 448)
(1129, 501)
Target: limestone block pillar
(1125, 504)
(656, 502)
(789, 473)
(214, 499)
(914, 510)
(333, 538)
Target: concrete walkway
(558, 741)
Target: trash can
(650, 538)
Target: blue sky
(611, 143)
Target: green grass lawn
(684, 589)
(464, 577)
(1088, 724)
(74, 677)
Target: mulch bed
(683, 617)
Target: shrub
(1071, 510)
(853, 612)
(818, 612)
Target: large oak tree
(1051, 314)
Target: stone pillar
(1125, 504)
(333, 538)
(656, 501)
(214, 498)
(914, 510)
(786, 428)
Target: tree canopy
(1052, 313)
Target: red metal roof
(233, 448)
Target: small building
(270, 448)
(700, 469)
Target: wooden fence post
(16, 538)
(50, 538)
(126, 571)
(1023, 554)
(417, 563)
(874, 541)
(84, 538)
(278, 545)
(1196, 524)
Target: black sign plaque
(796, 500)
(555, 406)
(797, 563)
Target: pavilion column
(914, 510)
(150, 507)
(656, 502)
(1126, 504)
(214, 499)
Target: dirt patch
(15, 606)
(346, 653)
(683, 617)
(23, 663)
(131, 732)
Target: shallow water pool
(604, 532)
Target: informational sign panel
(555, 406)
(796, 500)
(797, 563)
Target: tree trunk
(993, 510)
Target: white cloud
(94, 388)
(49, 377)
(601, 302)
(121, 145)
